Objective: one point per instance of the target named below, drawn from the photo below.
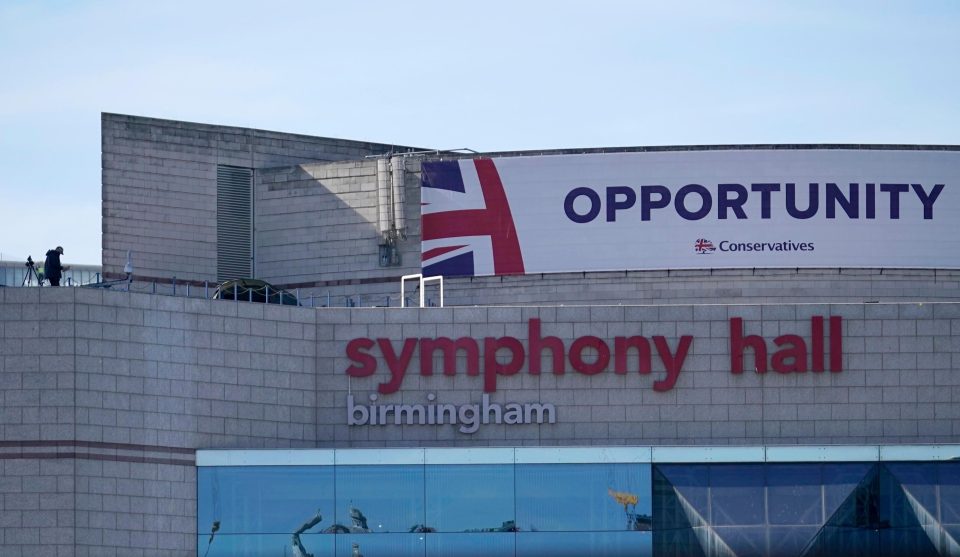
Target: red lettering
(537, 344)
(449, 349)
(576, 355)
(836, 343)
(739, 343)
(492, 368)
(364, 364)
(590, 355)
(397, 365)
(816, 343)
(797, 352)
(620, 347)
(673, 363)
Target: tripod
(31, 274)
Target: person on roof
(52, 269)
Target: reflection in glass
(949, 480)
(263, 499)
(790, 540)
(580, 544)
(761, 509)
(381, 545)
(681, 496)
(911, 542)
(380, 499)
(263, 545)
(742, 541)
(470, 498)
(793, 494)
(471, 545)
(919, 482)
(839, 482)
(583, 497)
(737, 494)
(776, 510)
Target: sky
(488, 76)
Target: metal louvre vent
(234, 222)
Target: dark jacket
(52, 267)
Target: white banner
(691, 210)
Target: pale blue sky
(485, 75)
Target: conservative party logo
(466, 225)
(704, 246)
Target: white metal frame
(422, 282)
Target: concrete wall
(159, 186)
(106, 395)
(317, 223)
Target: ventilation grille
(234, 222)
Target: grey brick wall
(318, 222)
(159, 186)
(106, 395)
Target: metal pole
(173, 281)
(266, 294)
(206, 290)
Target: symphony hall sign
(497, 357)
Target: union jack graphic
(466, 225)
(703, 246)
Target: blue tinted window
(742, 541)
(760, 509)
(583, 497)
(793, 494)
(581, 544)
(264, 499)
(839, 482)
(376, 545)
(470, 498)
(685, 491)
(949, 474)
(737, 494)
(264, 545)
(471, 545)
(919, 482)
(380, 499)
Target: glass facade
(806, 509)
(575, 507)
(420, 510)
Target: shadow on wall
(319, 223)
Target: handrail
(422, 282)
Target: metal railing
(422, 283)
(266, 294)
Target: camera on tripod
(31, 274)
